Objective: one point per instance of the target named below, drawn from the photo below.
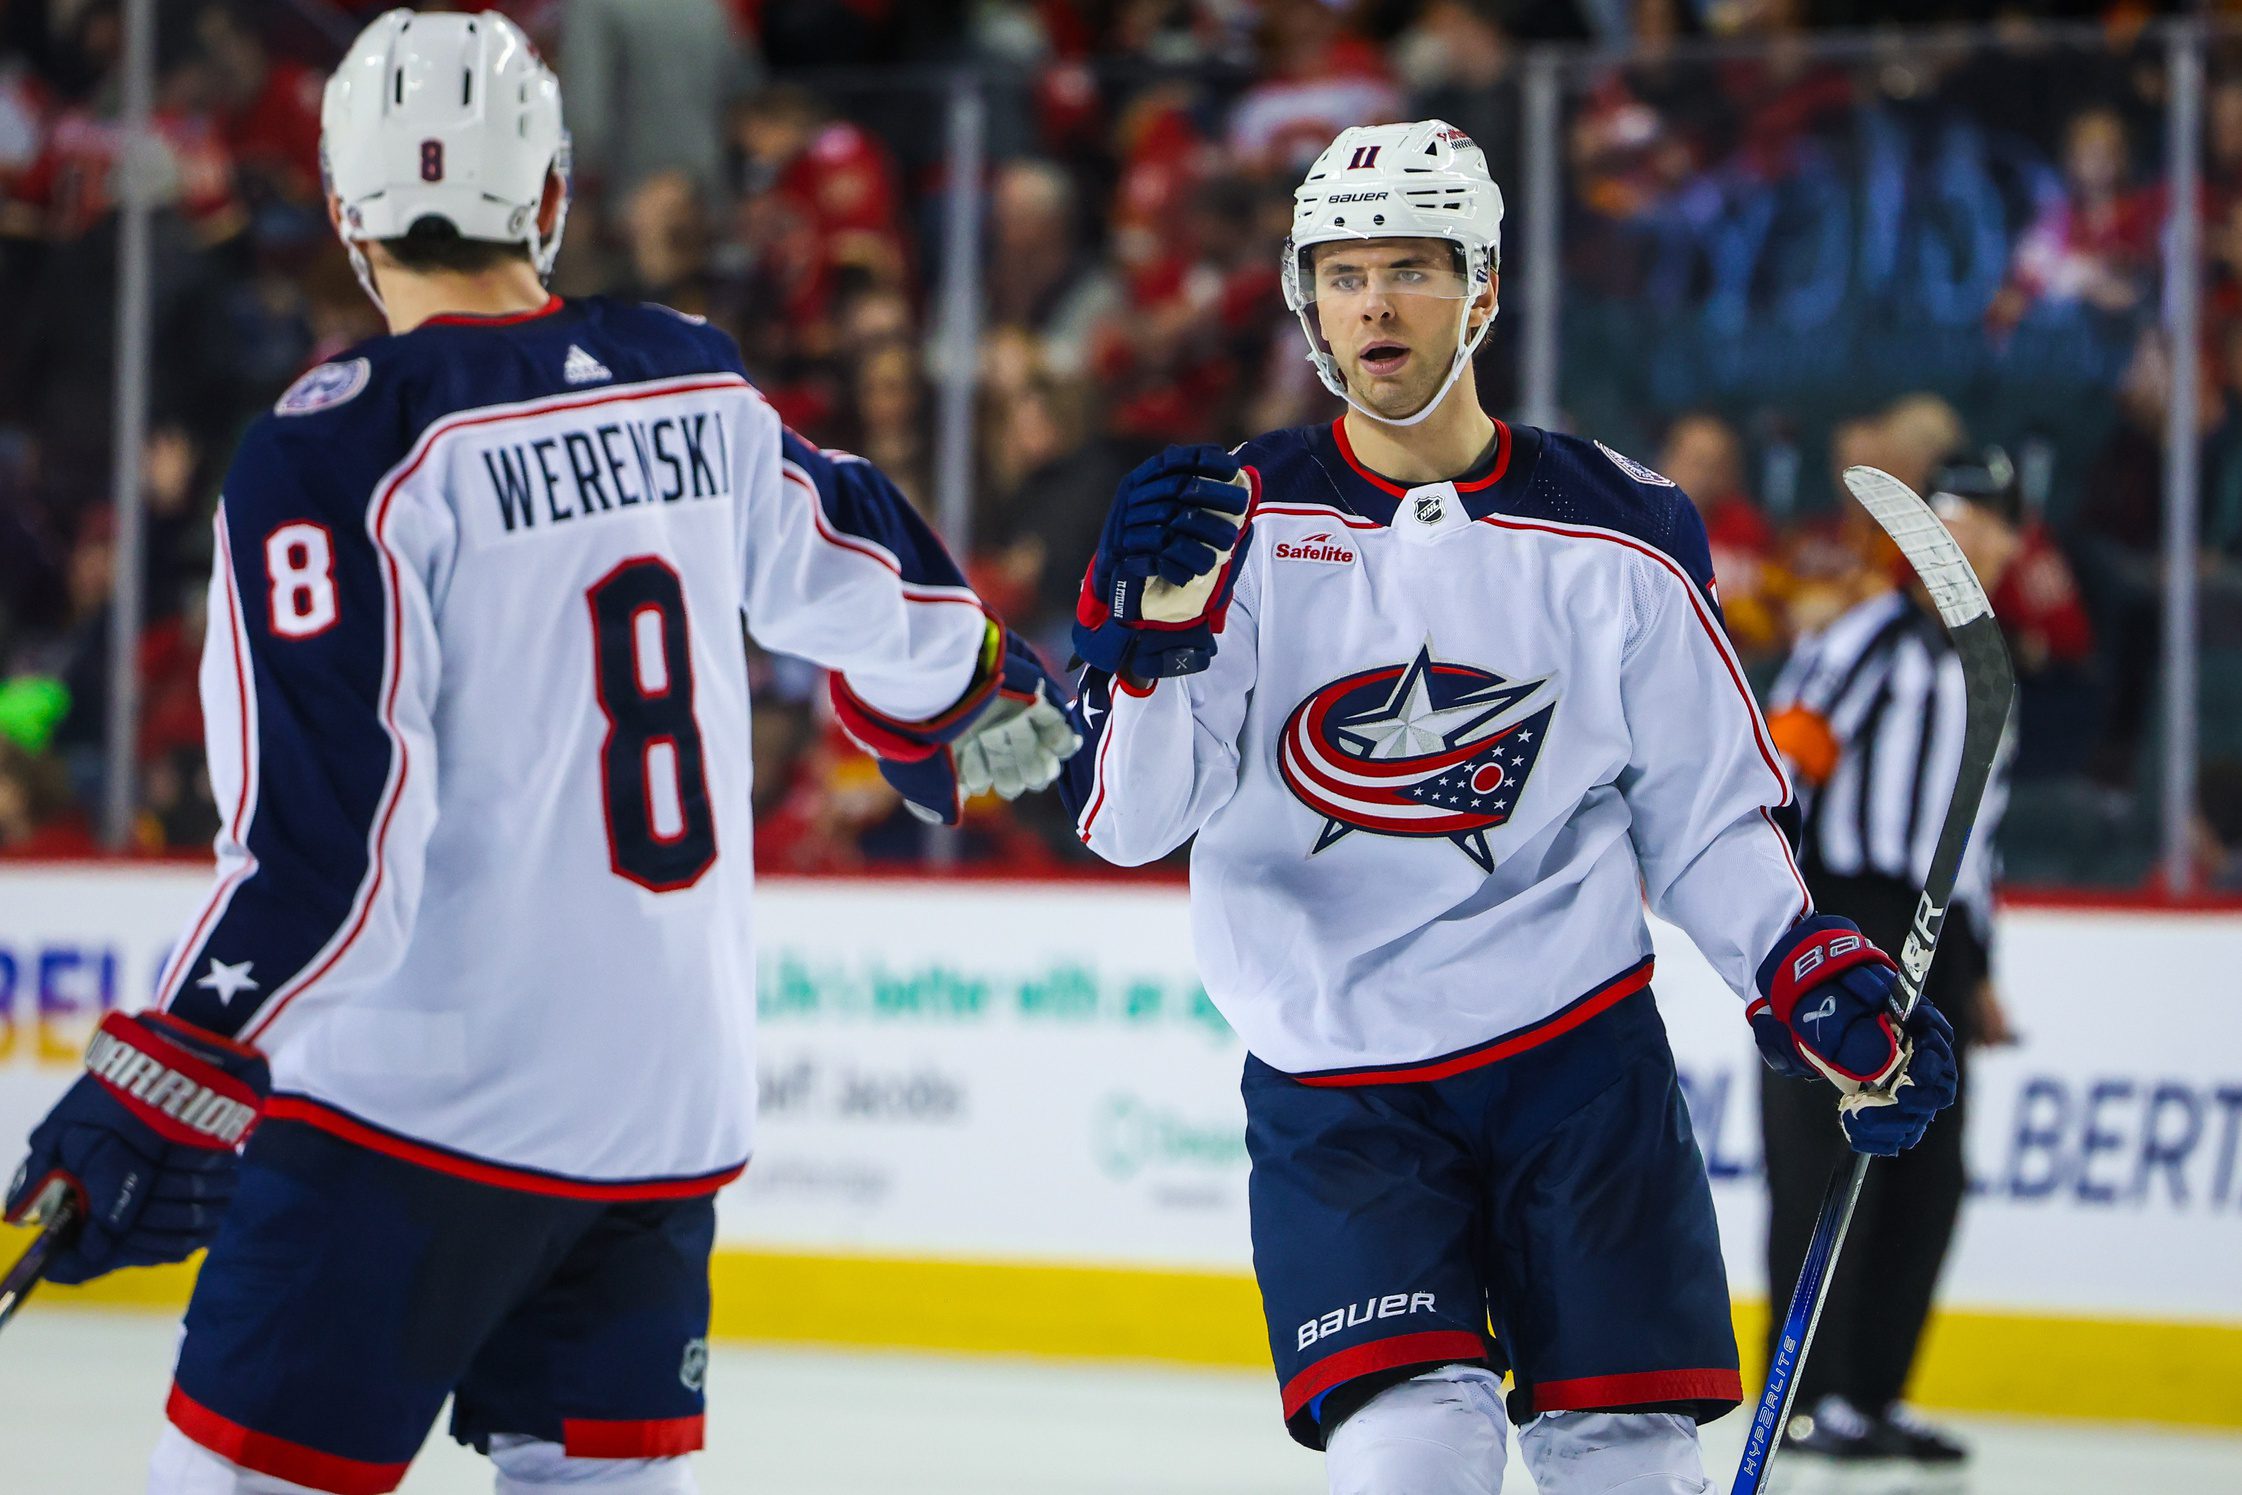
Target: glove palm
(1158, 588)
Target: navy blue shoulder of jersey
(1297, 467)
(353, 418)
(1572, 480)
(1529, 474)
(573, 347)
(860, 506)
(1316, 465)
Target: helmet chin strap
(364, 272)
(1462, 361)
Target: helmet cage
(1476, 261)
(1421, 180)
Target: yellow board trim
(2108, 1369)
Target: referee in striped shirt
(1868, 712)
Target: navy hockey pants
(1546, 1213)
(349, 1293)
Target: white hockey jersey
(1453, 738)
(477, 711)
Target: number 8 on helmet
(445, 116)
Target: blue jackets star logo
(228, 981)
(1430, 748)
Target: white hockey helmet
(443, 116)
(1425, 180)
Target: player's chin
(1392, 399)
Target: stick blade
(1946, 574)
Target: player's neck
(503, 291)
(1445, 444)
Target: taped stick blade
(1945, 572)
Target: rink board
(1037, 1148)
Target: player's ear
(377, 259)
(1483, 305)
(548, 211)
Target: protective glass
(1342, 280)
(1340, 287)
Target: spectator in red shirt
(25, 104)
(267, 107)
(831, 194)
(1319, 77)
(2095, 245)
(2040, 606)
(1702, 454)
(68, 187)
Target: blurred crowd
(780, 166)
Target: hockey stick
(1989, 687)
(57, 1216)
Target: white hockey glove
(1014, 747)
(1010, 734)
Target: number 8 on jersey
(300, 563)
(661, 832)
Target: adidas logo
(582, 368)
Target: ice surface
(81, 1394)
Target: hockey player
(478, 952)
(1446, 701)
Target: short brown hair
(433, 244)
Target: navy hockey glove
(1827, 1005)
(1009, 735)
(1158, 588)
(1887, 1124)
(147, 1141)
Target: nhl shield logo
(1430, 748)
(1428, 508)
